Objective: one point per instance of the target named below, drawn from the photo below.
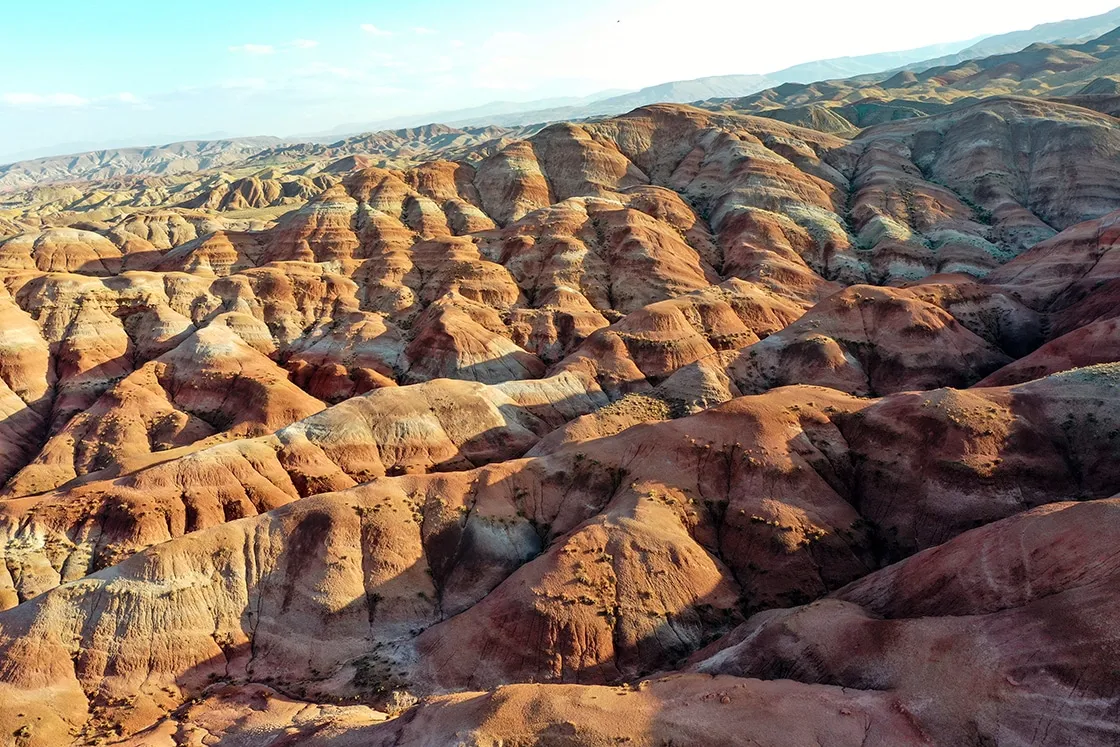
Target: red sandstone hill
(682, 426)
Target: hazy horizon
(285, 69)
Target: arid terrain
(790, 419)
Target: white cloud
(134, 102)
(423, 30)
(369, 28)
(265, 49)
(253, 48)
(69, 100)
(41, 99)
(457, 43)
(255, 84)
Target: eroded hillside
(683, 426)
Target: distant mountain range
(484, 113)
(173, 158)
(1084, 73)
(731, 86)
(508, 114)
(1078, 29)
(195, 155)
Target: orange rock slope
(678, 427)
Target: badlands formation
(686, 426)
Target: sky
(78, 74)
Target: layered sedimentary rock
(586, 565)
(681, 425)
(999, 635)
(212, 383)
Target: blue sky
(82, 72)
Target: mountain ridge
(26, 172)
(685, 424)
